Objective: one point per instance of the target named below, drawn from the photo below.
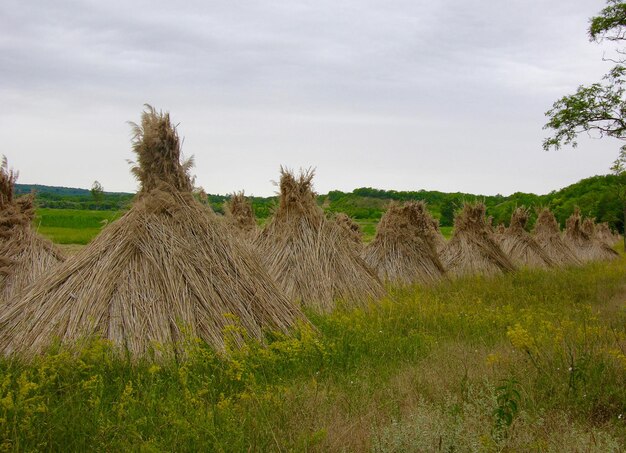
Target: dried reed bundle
(472, 249)
(404, 251)
(308, 255)
(167, 269)
(582, 241)
(24, 255)
(239, 214)
(436, 236)
(520, 246)
(548, 235)
(351, 230)
(604, 234)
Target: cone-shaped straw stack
(520, 246)
(437, 237)
(404, 251)
(308, 255)
(604, 234)
(24, 255)
(472, 249)
(583, 243)
(239, 213)
(168, 266)
(548, 235)
(351, 230)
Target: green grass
(69, 226)
(426, 369)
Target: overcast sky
(406, 95)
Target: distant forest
(596, 197)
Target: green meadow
(76, 226)
(72, 226)
(529, 361)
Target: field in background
(73, 226)
(531, 361)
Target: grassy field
(69, 226)
(532, 361)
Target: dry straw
(436, 236)
(309, 255)
(240, 215)
(604, 234)
(351, 231)
(24, 255)
(548, 235)
(583, 242)
(520, 246)
(404, 250)
(167, 269)
(473, 249)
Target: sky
(396, 94)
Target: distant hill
(595, 197)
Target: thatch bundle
(308, 255)
(548, 235)
(351, 230)
(24, 255)
(167, 269)
(582, 241)
(437, 236)
(520, 246)
(240, 214)
(472, 248)
(604, 234)
(404, 250)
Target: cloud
(395, 94)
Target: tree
(619, 170)
(97, 191)
(600, 108)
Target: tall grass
(532, 361)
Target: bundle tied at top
(404, 250)
(520, 246)
(310, 256)
(548, 235)
(473, 248)
(581, 238)
(25, 256)
(166, 270)
(157, 146)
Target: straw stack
(472, 248)
(167, 269)
(520, 246)
(404, 250)
(308, 254)
(24, 255)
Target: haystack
(24, 255)
(167, 269)
(239, 214)
(351, 231)
(606, 235)
(308, 254)
(404, 251)
(520, 246)
(583, 242)
(472, 248)
(434, 232)
(548, 235)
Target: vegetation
(530, 361)
(596, 197)
(600, 108)
(72, 226)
